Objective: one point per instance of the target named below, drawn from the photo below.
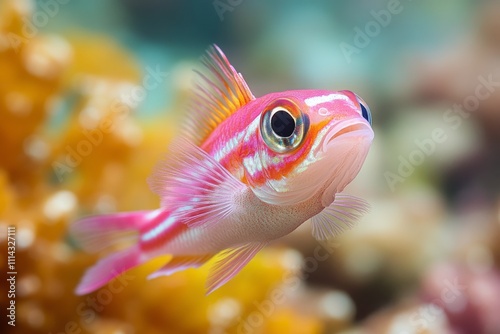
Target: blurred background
(424, 260)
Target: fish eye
(283, 126)
(364, 110)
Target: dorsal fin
(217, 96)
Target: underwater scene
(250, 166)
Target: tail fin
(107, 269)
(97, 233)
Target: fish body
(245, 172)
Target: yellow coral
(97, 160)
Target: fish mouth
(348, 128)
(344, 150)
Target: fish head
(309, 143)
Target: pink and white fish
(245, 172)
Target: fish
(243, 172)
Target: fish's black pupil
(282, 123)
(365, 113)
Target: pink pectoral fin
(229, 263)
(180, 263)
(342, 214)
(197, 184)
